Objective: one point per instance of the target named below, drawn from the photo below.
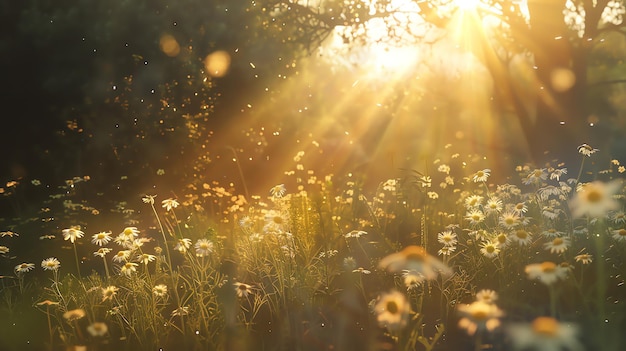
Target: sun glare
(388, 43)
(467, 5)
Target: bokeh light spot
(169, 45)
(217, 63)
(562, 79)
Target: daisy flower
(121, 256)
(494, 204)
(72, 234)
(278, 191)
(101, 238)
(479, 316)
(169, 204)
(550, 212)
(552, 233)
(619, 217)
(355, 234)
(558, 245)
(619, 234)
(489, 249)
(392, 311)
(97, 329)
(595, 199)
(412, 279)
(481, 176)
(8, 233)
(361, 270)
(446, 250)
(475, 217)
(103, 251)
(586, 150)
(501, 240)
(246, 222)
(544, 333)
(584, 258)
(558, 173)
(520, 208)
(128, 269)
(447, 237)
(148, 199)
(275, 222)
(390, 185)
(160, 290)
(4, 250)
(24, 267)
(242, 289)
(521, 237)
(547, 191)
(415, 258)
(50, 264)
(536, 176)
(183, 245)
(487, 295)
(473, 201)
(204, 247)
(124, 241)
(509, 220)
(73, 315)
(109, 292)
(546, 272)
(130, 233)
(145, 258)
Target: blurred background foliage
(123, 89)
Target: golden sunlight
(388, 44)
(467, 5)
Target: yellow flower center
(476, 217)
(545, 326)
(480, 174)
(537, 173)
(594, 196)
(501, 238)
(415, 253)
(392, 307)
(128, 231)
(622, 232)
(557, 241)
(490, 248)
(548, 267)
(522, 234)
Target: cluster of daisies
(393, 309)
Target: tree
(554, 37)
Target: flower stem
(552, 301)
(76, 257)
(106, 267)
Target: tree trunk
(561, 70)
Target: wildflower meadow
(439, 260)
